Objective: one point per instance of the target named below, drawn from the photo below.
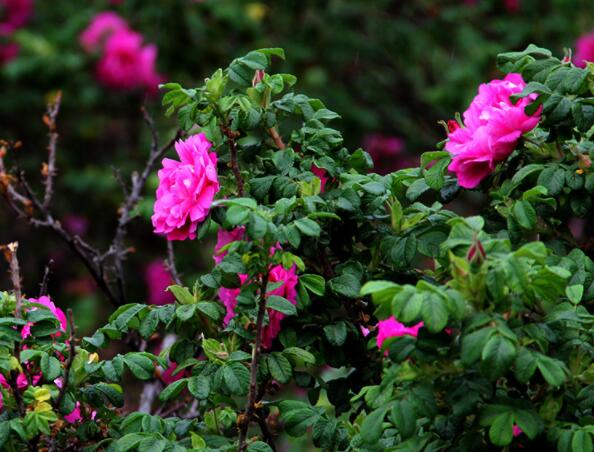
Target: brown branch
(50, 171)
(45, 280)
(245, 418)
(10, 254)
(170, 264)
(235, 164)
(278, 141)
(71, 355)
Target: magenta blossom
(8, 52)
(229, 299)
(157, 280)
(186, 189)
(56, 311)
(321, 174)
(126, 63)
(387, 152)
(492, 127)
(393, 328)
(517, 431)
(102, 26)
(287, 290)
(14, 14)
(584, 49)
(224, 238)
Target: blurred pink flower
(584, 49)
(157, 279)
(14, 14)
(8, 52)
(76, 224)
(387, 152)
(128, 64)
(492, 127)
(186, 189)
(512, 6)
(517, 431)
(224, 238)
(321, 174)
(393, 328)
(101, 27)
(167, 375)
(56, 311)
(287, 290)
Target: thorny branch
(49, 169)
(103, 267)
(10, 254)
(170, 264)
(45, 280)
(244, 420)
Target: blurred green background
(392, 69)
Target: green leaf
(210, 309)
(279, 367)
(199, 387)
(575, 293)
(308, 227)
(434, 312)
(552, 370)
(181, 294)
(185, 312)
(528, 421)
(524, 214)
(581, 441)
(281, 304)
(372, 426)
(173, 390)
(140, 365)
(314, 283)
(336, 333)
(236, 377)
(553, 179)
(297, 417)
(501, 431)
(299, 356)
(497, 356)
(259, 446)
(404, 418)
(347, 285)
(50, 367)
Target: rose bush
(389, 320)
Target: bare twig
(278, 141)
(235, 165)
(49, 171)
(10, 254)
(71, 355)
(243, 421)
(170, 264)
(23, 200)
(45, 280)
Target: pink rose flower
(128, 64)
(321, 174)
(14, 14)
(393, 328)
(157, 280)
(584, 49)
(101, 27)
(517, 431)
(229, 299)
(186, 189)
(8, 52)
(56, 311)
(224, 238)
(492, 127)
(167, 375)
(287, 290)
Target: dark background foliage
(392, 68)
